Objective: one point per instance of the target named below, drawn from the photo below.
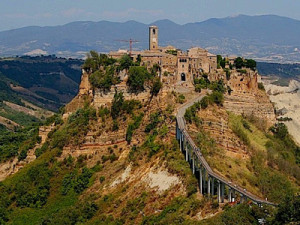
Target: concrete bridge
(209, 181)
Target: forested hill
(267, 37)
(283, 72)
(47, 81)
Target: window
(153, 31)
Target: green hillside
(48, 81)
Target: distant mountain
(266, 38)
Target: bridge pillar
(233, 198)
(229, 195)
(201, 180)
(212, 186)
(209, 185)
(177, 131)
(180, 141)
(204, 180)
(242, 198)
(193, 163)
(222, 192)
(219, 191)
(186, 153)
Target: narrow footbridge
(209, 181)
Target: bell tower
(153, 38)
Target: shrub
(82, 181)
(115, 126)
(261, 86)
(198, 88)
(156, 86)
(238, 130)
(32, 190)
(154, 120)
(217, 97)
(22, 155)
(102, 179)
(137, 75)
(117, 105)
(180, 99)
(101, 80)
(126, 62)
(204, 102)
(133, 126)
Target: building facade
(184, 66)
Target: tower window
(153, 31)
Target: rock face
(99, 98)
(85, 93)
(247, 99)
(216, 122)
(287, 104)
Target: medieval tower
(153, 38)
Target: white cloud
(130, 13)
(75, 12)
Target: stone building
(183, 66)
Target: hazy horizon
(16, 14)
(95, 21)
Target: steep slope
(16, 112)
(112, 158)
(47, 81)
(286, 101)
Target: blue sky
(20, 13)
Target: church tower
(153, 38)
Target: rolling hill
(265, 38)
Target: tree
(137, 75)
(288, 211)
(155, 69)
(217, 97)
(280, 131)
(239, 63)
(250, 63)
(220, 61)
(156, 85)
(101, 80)
(204, 102)
(92, 62)
(117, 105)
(139, 59)
(125, 62)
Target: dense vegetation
(28, 192)
(216, 97)
(239, 63)
(6, 93)
(104, 72)
(17, 143)
(285, 71)
(54, 79)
